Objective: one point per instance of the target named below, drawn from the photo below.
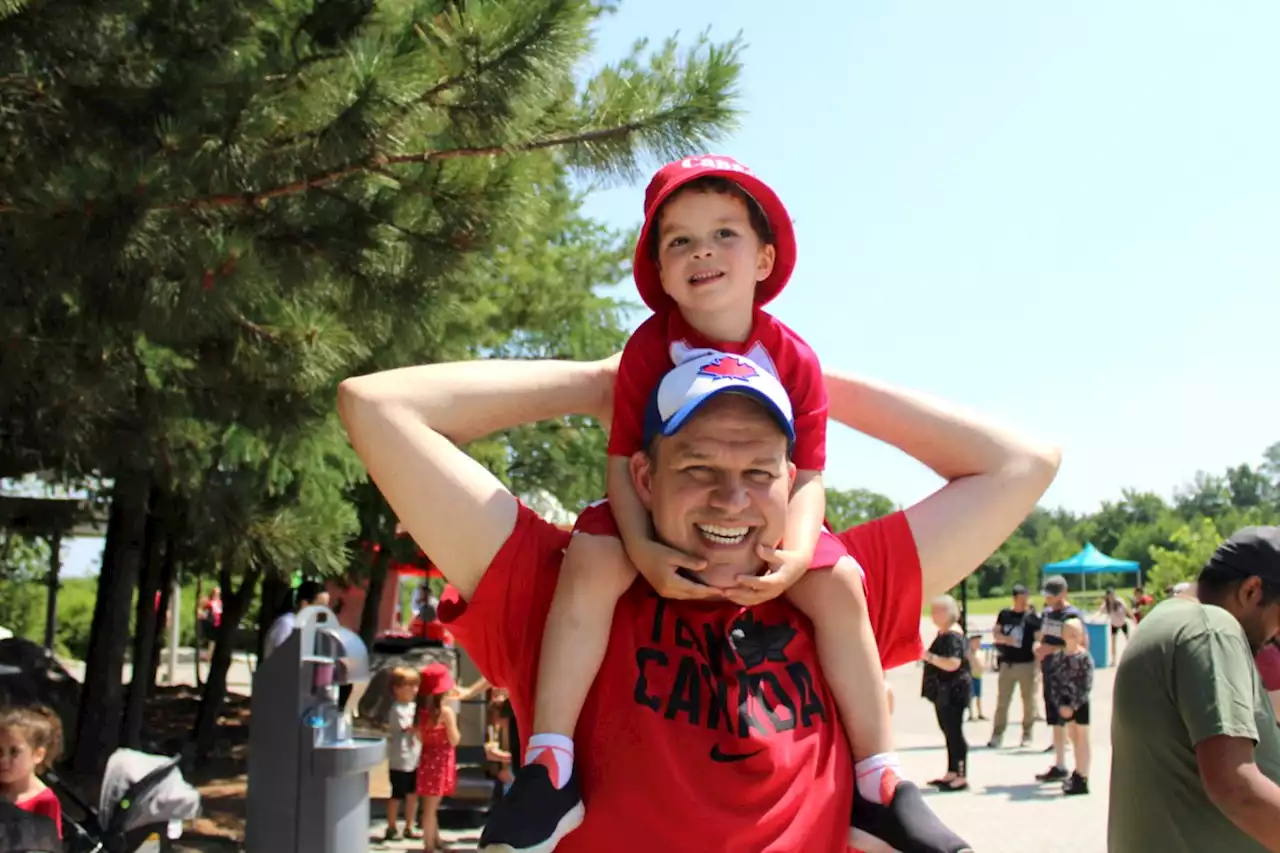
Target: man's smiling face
(719, 487)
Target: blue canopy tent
(1091, 561)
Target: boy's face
(709, 257)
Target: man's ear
(642, 476)
(1250, 590)
(764, 262)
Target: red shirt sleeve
(645, 361)
(886, 551)
(501, 626)
(1269, 667)
(801, 375)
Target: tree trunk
(196, 602)
(276, 599)
(373, 596)
(168, 574)
(102, 699)
(146, 625)
(234, 607)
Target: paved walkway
(1005, 810)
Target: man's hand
(785, 568)
(659, 566)
(1065, 713)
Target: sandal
(954, 785)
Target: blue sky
(1064, 215)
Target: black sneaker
(906, 824)
(1075, 786)
(1053, 774)
(534, 815)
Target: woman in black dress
(948, 685)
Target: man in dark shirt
(1015, 639)
(1048, 650)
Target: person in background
(1072, 684)
(308, 593)
(1268, 661)
(438, 762)
(502, 742)
(1014, 637)
(1195, 745)
(1057, 609)
(210, 621)
(973, 657)
(1118, 615)
(404, 749)
(1141, 603)
(30, 742)
(947, 684)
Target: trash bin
(308, 776)
(1099, 634)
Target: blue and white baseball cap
(691, 385)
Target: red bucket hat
(672, 177)
(436, 679)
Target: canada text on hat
(689, 386)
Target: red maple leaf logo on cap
(728, 367)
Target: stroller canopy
(140, 789)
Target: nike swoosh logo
(729, 757)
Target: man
(1196, 749)
(309, 593)
(1049, 646)
(1015, 640)
(709, 726)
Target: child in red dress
(30, 741)
(437, 765)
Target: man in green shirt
(1196, 748)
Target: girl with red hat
(437, 766)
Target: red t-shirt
(1268, 661)
(665, 340)
(44, 803)
(709, 726)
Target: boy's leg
(594, 575)
(884, 805)
(412, 815)
(393, 817)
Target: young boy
(976, 668)
(717, 244)
(1072, 682)
(404, 747)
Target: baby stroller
(143, 803)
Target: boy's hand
(659, 566)
(785, 568)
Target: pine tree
(212, 212)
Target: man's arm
(406, 424)
(1237, 787)
(994, 477)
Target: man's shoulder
(1179, 622)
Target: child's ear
(38, 755)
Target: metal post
(51, 596)
(175, 617)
